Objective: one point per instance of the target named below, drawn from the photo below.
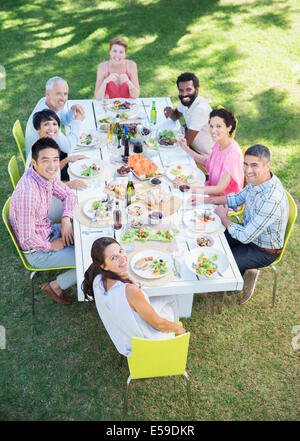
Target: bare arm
(183, 143)
(133, 83)
(101, 81)
(139, 304)
(216, 189)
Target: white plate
(186, 169)
(131, 111)
(192, 257)
(210, 226)
(89, 211)
(105, 168)
(94, 140)
(148, 273)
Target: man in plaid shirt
(43, 244)
(259, 240)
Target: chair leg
(32, 274)
(126, 395)
(274, 285)
(188, 388)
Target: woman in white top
(124, 308)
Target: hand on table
(196, 200)
(67, 234)
(74, 158)
(222, 210)
(77, 184)
(78, 112)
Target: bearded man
(195, 111)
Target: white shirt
(65, 142)
(196, 118)
(122, 322)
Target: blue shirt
(265, 216)
(65, 142)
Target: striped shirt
(265, 216)
(29, 208)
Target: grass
(61, 364)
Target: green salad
(205, 266)
(146, 233)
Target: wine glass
(184, 188)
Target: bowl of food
(205, 241)
(155, 217)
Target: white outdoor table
(189, 283)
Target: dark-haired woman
(225, 163)
(124, 308)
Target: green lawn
(61, 364)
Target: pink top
(229, 160)
(29, 208)
(114, 91)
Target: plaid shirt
(266, 214)
(29, 208)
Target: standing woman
(118, 77)
(225, 163)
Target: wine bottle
(125, 140)
(118, 130)
(117, 217)
(153, 113)
(130, 191)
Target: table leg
(185, 303)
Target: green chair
(20, 140)
(32, 269)
(158, 358)
(289, 228)
(13, 171)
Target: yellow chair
(32, 269)
(289, 228)
(20, 140)
(13, 171)
(158, 358)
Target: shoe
(63, 300)
(250, 278)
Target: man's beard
(190, 102)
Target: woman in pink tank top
(225, 163)
(118, 77)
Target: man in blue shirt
(56, 97)
(259, 240)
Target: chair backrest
(158, 358)
(19, 137)
(5, 218)
(13, 171)
(290, 224)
